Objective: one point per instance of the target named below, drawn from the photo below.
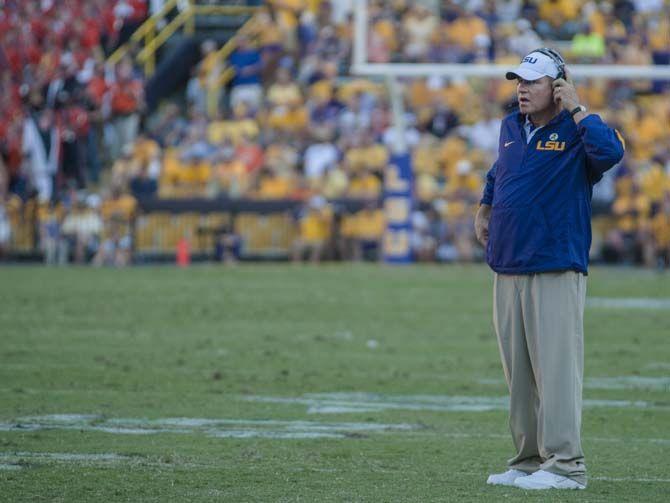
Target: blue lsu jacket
(540, 193)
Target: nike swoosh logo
(508, 143)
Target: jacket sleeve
(487, 197)
(604, 146)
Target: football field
(283, 383)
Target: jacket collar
(561, 116)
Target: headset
(556, 58)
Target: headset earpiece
(557, 58)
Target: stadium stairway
(175, 47)
(181, 53)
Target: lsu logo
(558, 146)
(530, 60)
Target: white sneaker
(505, 479)
(546, 480)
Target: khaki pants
(538, 320)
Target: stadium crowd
(78, 152)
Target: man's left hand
(565, 93)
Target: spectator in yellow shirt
(241, 124)
(315, 226)
(646, 131)
(558, 19)
(452, 149)
(468, 32)
(125, 167)
(366, 155)
(653, 182)
(364, 186)
(368, 232)
(383, 40)
(284, 91)
(426, 187)
(465, 185)
(273, 186)
(291, 118)
(231, 175)
(418, 26)
(631, 211)
(335, 183)
(119, 205)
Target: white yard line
(628, 382)
(20, 460)
(614, 382)
(632, 479)
(658, 366)
(252, 428)
(4, 466)
(651, 303)
(217, 428)
(66, 456)
(340, 403)
(586, 438)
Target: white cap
(534, 66)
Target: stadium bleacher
(78, 143)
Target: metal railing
(265, 228)
(151, 38)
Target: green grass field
(277, 383)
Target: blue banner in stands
(398, 210)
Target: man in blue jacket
(535, 222)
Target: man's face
(534, 95)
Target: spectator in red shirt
(127, 102)
(96, 100)
(75, 128)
